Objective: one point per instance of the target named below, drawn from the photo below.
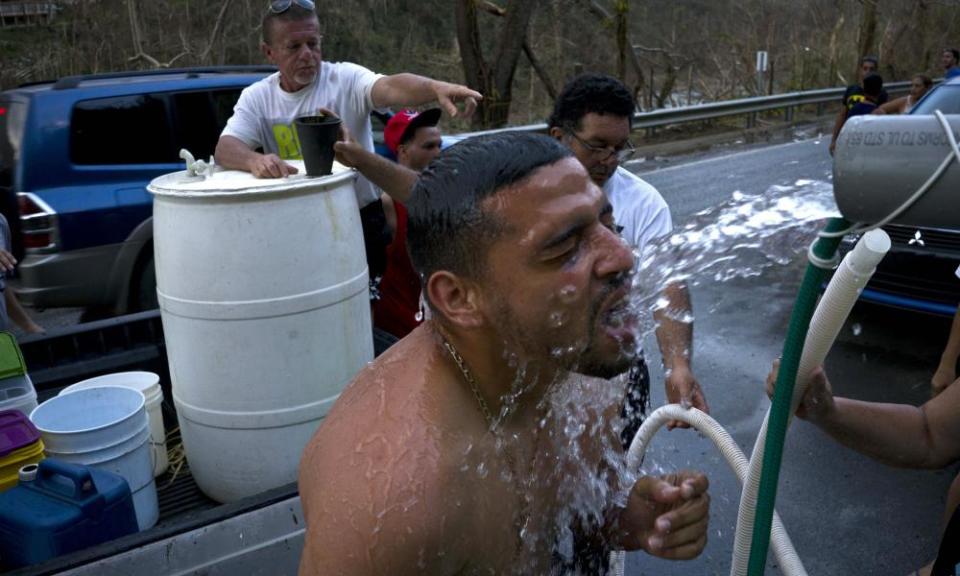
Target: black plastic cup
(317, 135)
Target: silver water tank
(880, 161)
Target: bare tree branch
(216, 29)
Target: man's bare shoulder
(384, 465)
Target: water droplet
(856, 329)
(557, 319)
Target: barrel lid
(16, 431)
(236, 182)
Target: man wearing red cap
(413, 137)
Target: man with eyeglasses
(304, 85)
(593, 117)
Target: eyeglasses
(281, 6)
(603, 153)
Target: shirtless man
(485, 441)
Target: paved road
(845, 513)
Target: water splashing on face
(576, 468)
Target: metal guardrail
(712, 110)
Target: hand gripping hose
(842, 292)
(709, 427)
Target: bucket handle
(84, 490)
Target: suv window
(945, 98)
(200, 117)
(141, 129)
(121, 130)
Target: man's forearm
(233, 154)
(895, 434)
(392, 178)
(675, 326)
(403, 89)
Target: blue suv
(75, 158)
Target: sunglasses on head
(281, 6)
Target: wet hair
(295, 13)
(955, 52)
(873, 59)
(447, 228)
(597, 93)
(873, 85)
(927, 82)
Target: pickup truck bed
(262, 534)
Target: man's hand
(7, 261)
(269, 166)
(682, 388)
(667, 516)
(448, 95)
(817, 400)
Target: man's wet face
(557, 279)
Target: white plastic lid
(147, 383)
(237, 181)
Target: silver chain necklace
(462, 365)
(523, 521)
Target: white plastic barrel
(17, 393)
(263, 294)
(105, 428)
(148, 384)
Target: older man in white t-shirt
(305, 85)
(593, 117)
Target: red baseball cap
(404, 123)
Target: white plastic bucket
(17, 393)
(263, 292)
(147, 383)
(105, 428)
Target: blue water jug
(66, 507)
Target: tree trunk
(494, 81)
(622, 8)
(868, 29)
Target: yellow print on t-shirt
(854, 99)
(288, 145)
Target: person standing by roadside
(592, 117)
(854, 95)
(919, 86)
(10, 308)
(304, 85)
(951, 62)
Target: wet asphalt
(846, 514)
